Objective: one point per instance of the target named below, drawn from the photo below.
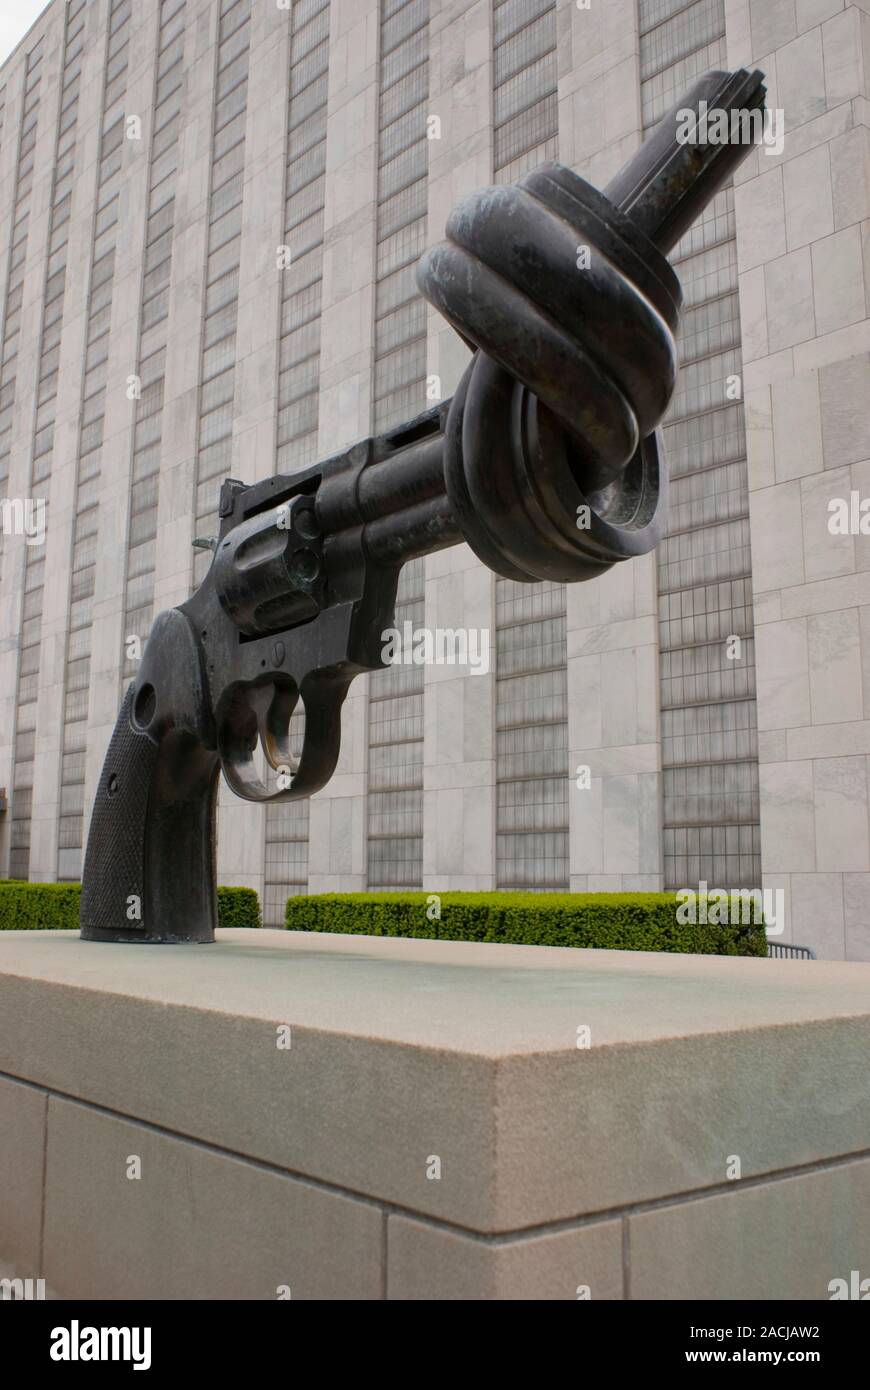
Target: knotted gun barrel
(551, 465)
(548, 461)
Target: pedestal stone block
(367, 1118)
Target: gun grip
(150, 871)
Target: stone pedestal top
(549, 1083)
(474, 998)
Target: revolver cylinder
(268, 571)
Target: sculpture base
(130, 938)
(347, 1117)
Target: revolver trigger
(273, 724)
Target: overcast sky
(16, 17)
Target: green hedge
(612, 921)
(238, 907)
(40, 906)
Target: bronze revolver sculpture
(547, 462)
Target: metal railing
(783, 949)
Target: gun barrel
(669, 182)
(418, 530)
(386, 486)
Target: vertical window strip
(28, 672)
(395, 778)
(89, 454)
(217, 367)
(153, 329)
(709, 725)
(18, 234)
(403, 148)
(299, 358)
(395, 781)
(286, 843)
(531, 639)
(531, 736)
(525, 86)
(287, 824)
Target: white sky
(16, 17)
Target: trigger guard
(321, 744)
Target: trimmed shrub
(45, 906)
(238, 907)
(38, 906)
(611, 921)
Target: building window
(709, 734)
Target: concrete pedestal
(337, 1118)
